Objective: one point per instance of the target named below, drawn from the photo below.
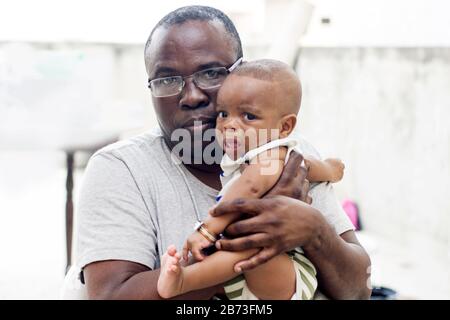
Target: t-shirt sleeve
(113, 222)
(324, 200)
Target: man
(136, 201)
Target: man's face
(181, 50)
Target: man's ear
(287, 124)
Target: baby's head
(257, 103)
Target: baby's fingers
(177, 256)
(196, 252)
(185, 251)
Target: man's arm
(281, 224)
(119, 280)
(342, 263)
(117, 239)
(285, 223)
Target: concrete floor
(417, 269)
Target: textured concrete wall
(386, 112)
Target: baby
(257, 109)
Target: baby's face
(247, 114)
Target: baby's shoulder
(304, 146)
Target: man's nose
(192, 97)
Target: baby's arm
(324, 170)
(257, 178)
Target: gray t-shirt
(135, 202)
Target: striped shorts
(306, 280)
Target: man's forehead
(190, 29)
(204, 41)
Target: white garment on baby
(231, 168)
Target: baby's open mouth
(231, 144)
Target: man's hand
(293, 182)
(276, 224)
(280, 222)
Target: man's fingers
(259, 258)
(292, 177)
(244, 227)
(294, 162)
(304, 191)
(248, 206)
(257, 240)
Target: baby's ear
(287, 124)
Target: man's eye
(222, 114)
(249, 116)
(211, 74)
(168, 81)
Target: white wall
(64, 96)
(386, 112)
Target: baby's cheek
(252, 140)
(219, 135)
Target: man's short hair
(199, 13)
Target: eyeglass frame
(229, 70)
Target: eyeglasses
(204, 79)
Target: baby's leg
(175, 279)
(273, 280)
(324, 170)
(171, 273)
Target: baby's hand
(337, 169)
(194, 244)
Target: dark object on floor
(383, 293)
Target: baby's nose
(231, 124)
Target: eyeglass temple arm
(236, 64)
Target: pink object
(352, 211)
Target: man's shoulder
(133, 162)
(145, 144)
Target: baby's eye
(222, 114)
(249, 116)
